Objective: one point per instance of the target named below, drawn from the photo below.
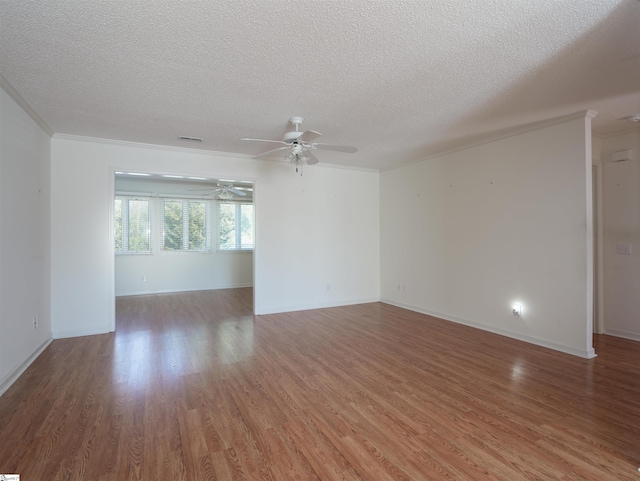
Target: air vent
(189, 139)
(621, 156)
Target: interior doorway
(180, 233)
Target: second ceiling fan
(299, 145)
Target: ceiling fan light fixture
(225, 195)
(291, 157)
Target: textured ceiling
(400, 80)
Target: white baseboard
(634, 336)
(260, 311)
(171, 291)
(12, 377)
(585, 353)
(77, 333)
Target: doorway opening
(180, 233)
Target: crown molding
(585, 114)
(13, 93)
(142, 145)
(616, 133)
(188, 150)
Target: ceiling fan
(225, 191)
(299, 145)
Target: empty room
(317, 240)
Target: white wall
(318, 229)
(163, 271)
(182, 271)
(621, 225)
(467, 234)
(24, 240)
(318, 239)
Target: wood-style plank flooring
(193, 387)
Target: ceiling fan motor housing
(291, 136)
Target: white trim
(328, 165)
(13, 93)
(585, 353)
(142, 145)
(111, 280)
(510, 132)
(590, 259)
(183, 196)
(13, 376)
(315, 305)
(134, 194)
(191, 150)
(630, 130)
(173, 291)
(254, 251)
(634, 336)
(67, 333)
(599, 280)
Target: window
(185, 225)
(133, 225)
(235, 226)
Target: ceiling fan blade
(311, 159)
(337, 148)
(270, 152)
(236, 191)
(308, 136)
(265, 140)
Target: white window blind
(132, 225)
(185, 225)
(235, 222)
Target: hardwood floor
(193, 387)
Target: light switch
(624, 249)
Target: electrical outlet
(623, 249)
(36, 322)
(143, 278)
(517, 309)
(328, 287)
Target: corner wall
(621, 226)
(24, 240)
(467, 234)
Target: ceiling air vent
(189, 139)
